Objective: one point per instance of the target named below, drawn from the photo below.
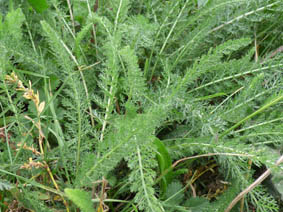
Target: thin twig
(193, 190)
(242, 16)
(277, 51)
(225, 100)
(95, 8)
(247, 175)
(83, 80)
(198, 156)
(253, 185)
(71, 15)
(235, 76)
(208, 155)
(256, 49)
(109, 102)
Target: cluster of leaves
(126, 88)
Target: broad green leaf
(165, 163)
(80, 198)
(38, 5)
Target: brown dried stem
(253, 185)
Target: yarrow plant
(121, 105)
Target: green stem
(274, 101)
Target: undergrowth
(149, 105)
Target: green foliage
(5, 186)
(134, 85)
(165, 163)
(11, 27)
(39, 5)
(263, 200)
(174, 195)
(32, 201)
(139, 98)
(199, 204)
(80, 198)
(224, 200)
